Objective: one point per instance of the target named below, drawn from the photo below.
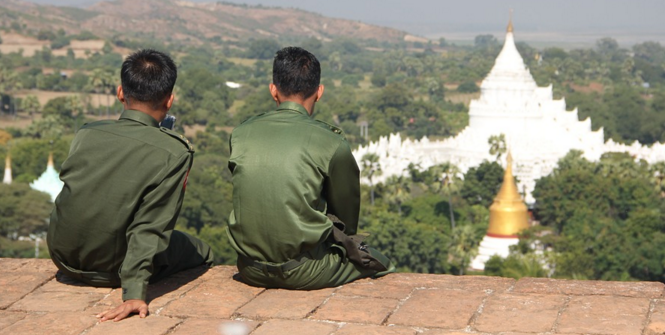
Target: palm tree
(446, 178)
(397, 191)
(370, 169)
(497, 145)
(463, 246)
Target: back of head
(148, 76)
(296, 71)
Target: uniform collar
(292, 106)
(140, 117)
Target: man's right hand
(128, 307)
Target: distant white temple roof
(538, 130)
(49, 181)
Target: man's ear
(169, 102)
(120, 94)
(274, 92)
(319, 93)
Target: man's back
(281, 163)
(111, 172)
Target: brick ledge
(32, 301)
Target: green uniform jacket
(124, 182)
(288, 172)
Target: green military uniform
(112, 225)
(288, 172)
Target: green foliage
(23, 211)
(482, 183)
(468, 87)
(412, 246)
(606, 216)
(263, 49)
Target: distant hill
(188, 22)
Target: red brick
(284, 304)
(449, 282)
(650, 290)
(8, 318)
(56, 301)
(529, 313)
(656, 324)
(66, 284)
(376, 289)
(218, 298)
(356, 309)
(293, 327)
(450, 309)
(24, 265)
(151, 325)
(355, 329)
(604, 315)
(15, 285)
(214, 327)
(65, 323)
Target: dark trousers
(184, 252)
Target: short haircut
(296, 71)
(148, 76)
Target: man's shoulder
(163, 138)
(181, 140)
(329, 127)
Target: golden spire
(508, 213)
(510, 22)
(8, 162)
(50, 160)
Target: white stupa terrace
(538, 130)
(49, 181)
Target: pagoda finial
(510, 22)
(50, 160)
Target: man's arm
(342, 188)
(147, 235)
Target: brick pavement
(212, 302)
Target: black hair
(296, 71)
(148, 76)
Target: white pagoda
(7, 178)
(538, 130)
(49, 181)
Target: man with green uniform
(289, 172)
(124, 182)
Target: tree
(9, 81)
(397, 191)
(482, 183)
(445, 178)
(371, 168)
(263, 48)
(23, 211)
(497, 145)
(462, 247)
(30, 104)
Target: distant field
(94, 99)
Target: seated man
(124, 182)
(289, 173)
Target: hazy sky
(639, 19)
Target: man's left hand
(122, 311)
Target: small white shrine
(49, 181)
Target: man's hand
(122, 311)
